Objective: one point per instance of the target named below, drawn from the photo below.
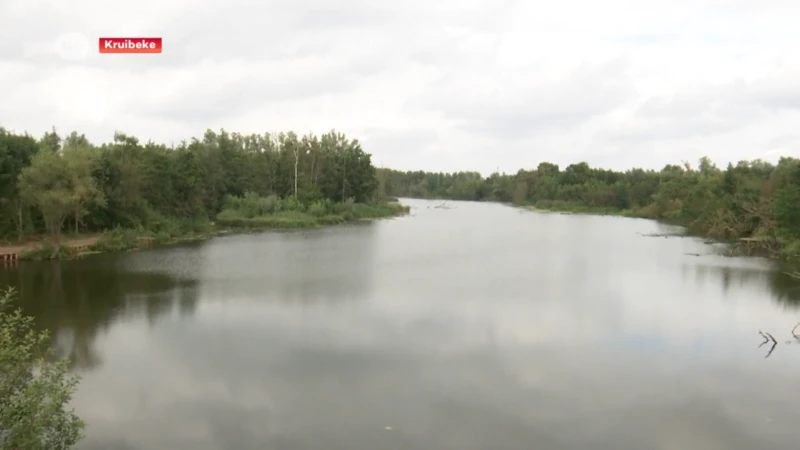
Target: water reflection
(320, 266)
(741, 273)
(477, 327)
(79, 299)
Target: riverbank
(570, 208)
(229, 221)
(782, 251)
(37, 247)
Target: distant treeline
(59, 183)
(53, 184)
(754, 199)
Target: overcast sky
(436, 85)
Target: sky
(440, 85)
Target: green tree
(15, 154)
(34, 392)
(59, 186)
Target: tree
(80, 162)
(34, 392)
(15, 154)
(59, 185)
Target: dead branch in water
(767, 338)
(774, 344)
(664, 235)
(794, 333)
(443, 206)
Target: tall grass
(253, 211)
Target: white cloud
(447, 85)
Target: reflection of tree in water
(329, 265)
(75, 300)
(329, 268)
(784, 289)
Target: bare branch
(766, 339)
(771, 349)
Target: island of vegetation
(754, 204)
(125, 194)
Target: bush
(34, 392)
(318, 208)
(292, 204)
(252, 211)
(251, 205)
(119, 240)
(48, 251)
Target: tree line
(56, 183)
(753, 200)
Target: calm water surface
(476, 327)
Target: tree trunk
(19, 222)
(344, 180)
(313, 181)
(58, 227)
(296, 161)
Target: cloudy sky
(436, 85)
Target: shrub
(34, 391)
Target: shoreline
(126, 240)
(740, 247)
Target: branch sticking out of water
(766, 339)
(774, 344)
(794, 331)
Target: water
(475, 327)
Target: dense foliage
(52, 184)
(273, 212)
(34, 391)
(754, 200)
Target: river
(470, 326)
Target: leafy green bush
(318, 208)
(292, 204)
(48, 251)
(252, 211)
(34, 392)
(119, 240)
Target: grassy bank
(249, 213)
(784, 249)
(274, 213)
(573, 208)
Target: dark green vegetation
(139, 193)
(272, 212)
(754, 203)
(34, 390)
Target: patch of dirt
(69, 242)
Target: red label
(130, 45)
